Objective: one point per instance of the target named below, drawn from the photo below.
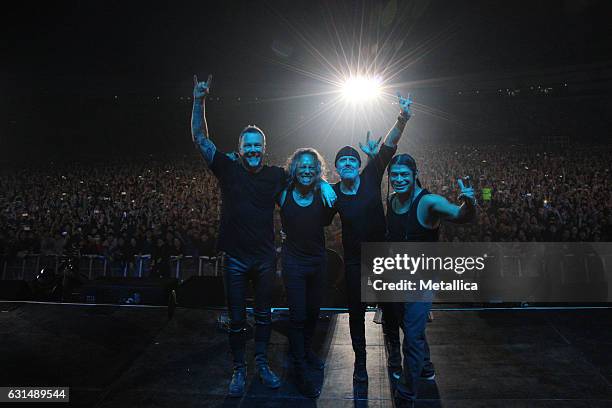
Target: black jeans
(236, 275)
(357, 311)
(392, 316)
(304, 286)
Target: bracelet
(402, 120)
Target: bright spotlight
(361, 88)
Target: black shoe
(360, 374)
(267, 376)
(306, 387)
(428, 373)
(360, 390)
(238, 383)
(425, 375)
(360, 382)
(314, 361)
(394, 358)
(401, 402)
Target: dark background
(81, 79)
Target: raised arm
(442, 210)
(394, 135)
(371, 147)
(199, 129)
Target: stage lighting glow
(361, 88)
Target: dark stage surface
(133, 356)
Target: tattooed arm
(199, 129)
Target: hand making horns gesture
(201, 89)
(371, 147)
(467, 191)
(405, 104)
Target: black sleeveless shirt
(406, 227)
(304, 228)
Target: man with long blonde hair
(304, 259)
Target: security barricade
(94, 266)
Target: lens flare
(358, 89)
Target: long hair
(403, 159)
(292, 163)
(408, 161)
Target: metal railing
(94, 266)
(571, 268)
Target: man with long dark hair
(414, 215)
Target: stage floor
(133, 356)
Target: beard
(252, 161)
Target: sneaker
(267, 377)
(238, 383)
(425, 375)
(314, 361)
(428, 374)
(306, 387)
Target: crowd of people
(123, 208)
(534, 194)
(115, 209)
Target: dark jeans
(392, 315)
(357, 311)
(392, 320)
(304, 286)
(412, 318)
(236, 274)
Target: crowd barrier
(95, 266)
(568, 269)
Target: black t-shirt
(247, 226)
(305, 240)
(362, 214)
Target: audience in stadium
(125, 208)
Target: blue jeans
(414, 347)
(236, 275)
